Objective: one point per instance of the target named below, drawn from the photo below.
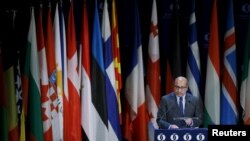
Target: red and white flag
(44, 79)
(74, 127)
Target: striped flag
(110, 81)
(245, 81)
(193, 63)
(9, 89)
(57, 134)
(100, 116)
(116, 55)
(31, 70)
(44, 79)
(8, 49)
(135, 114)
(153, 86)
(87, 107)
(212, 88)
(229, 96)
(74, 128)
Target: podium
(181, 134)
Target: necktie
(181, 106)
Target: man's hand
(189, 121)
(173, 126)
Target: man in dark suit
(180, 109)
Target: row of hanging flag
(62, 91)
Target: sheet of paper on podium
(183, 118)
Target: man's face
(180, 87)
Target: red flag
(153, 87)
(46, 111)
(116, 54)
(74, 128)
(50, 52)
(87, 109)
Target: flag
(44, 79)
(229, 96)
(3, 105)
(153, 84)
(100, 116)
(193, 63)
(8, 49)
(9, 88)
(74, 128)
(58, 133)
(22, 126)
(110, 81)
(87, 107)
(116, 55)
(18, 86)
(19, 99)
(153, 68)
(212, 86)
(50, 53)
(31, 70)
(245, 81)
(18, 92)
(66, 107)
(63, 109)
(135, 115)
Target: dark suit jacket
(169, 111)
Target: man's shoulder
(168, 96)
(191, 97)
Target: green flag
(245, 81)
(34, 116)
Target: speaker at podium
(181, 134)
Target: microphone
(169, 108)
(161, 120)
(183, 118)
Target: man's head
(180, 85)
